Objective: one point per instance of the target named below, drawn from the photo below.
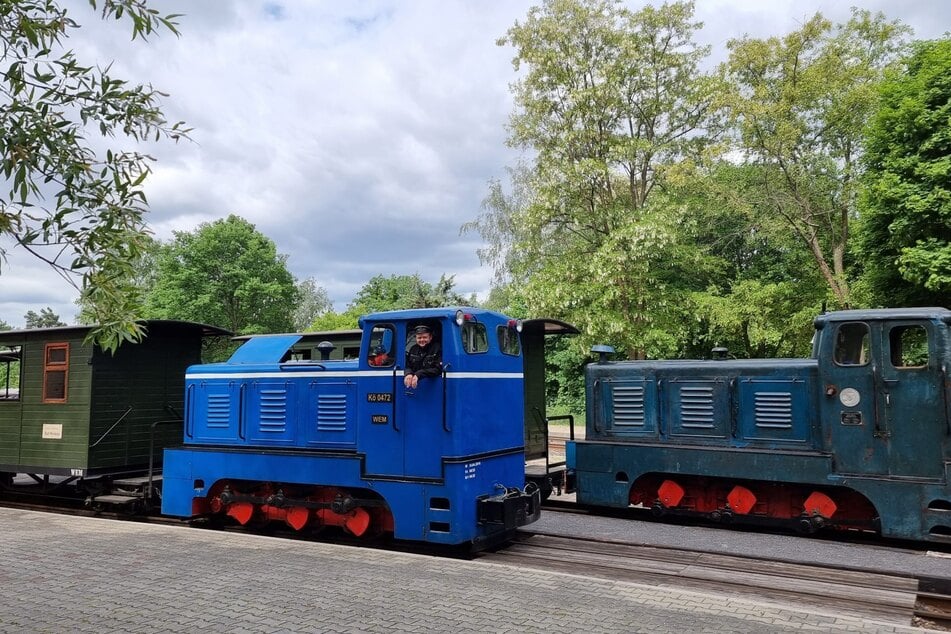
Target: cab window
(474, 337)
(508, 340)
(852, 344)
(908, 346)
(380, 351)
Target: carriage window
(10, 372)
(851, 344)
(909, 346)
(474, 337)
(55, 372)
(380, 353)
(508, 340)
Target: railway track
(899, 599)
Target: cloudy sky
(359, 136)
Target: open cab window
(909, 347)
(10, 357)
(380, 353)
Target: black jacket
(424, 362)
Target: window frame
(7, 369)
(55, 366)
(866, 344)
(897, 332)
(507, 333)
(471, 325)
(392, 352)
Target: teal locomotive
(856, 437)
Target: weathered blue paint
(869, 412)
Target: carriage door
(911, 399)
(850, 409)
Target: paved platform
(68, 574)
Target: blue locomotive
(276, 435)
(856, 437)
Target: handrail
(301, 365)
(121, 418)
(188, 404)
(445, 422)
(596, 410)
(148, 486)
(241, 406)
(944, 396)
(395, 428)
(571, 424)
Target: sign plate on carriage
(379, 397)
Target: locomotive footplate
(511, 509)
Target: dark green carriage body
(103, 421)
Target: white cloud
(358, 136)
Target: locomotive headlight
(515, 324)
(460, 317)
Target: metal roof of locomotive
(875, 314)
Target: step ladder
(128, 494)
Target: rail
(894, 599)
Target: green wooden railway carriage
(67, 408)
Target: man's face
(423, 339)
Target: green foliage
(225, 273)
(759, 290)
(313, 303)
(400, 292)
(564, 373)
(905, 233)
(45, 319)
(331, 320)
(137, 279)
(79, 210)
(396, 292)
(612, 102)
(799, 105)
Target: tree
(138, 281)
(799, 104)
(313, 303)
(5, 326)
(761, 291)
(227, 274)
(396, 292)
(335, 321)
(399, 292)
(905, 229)
(46, 319)
(76, 208)
(612, 102)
